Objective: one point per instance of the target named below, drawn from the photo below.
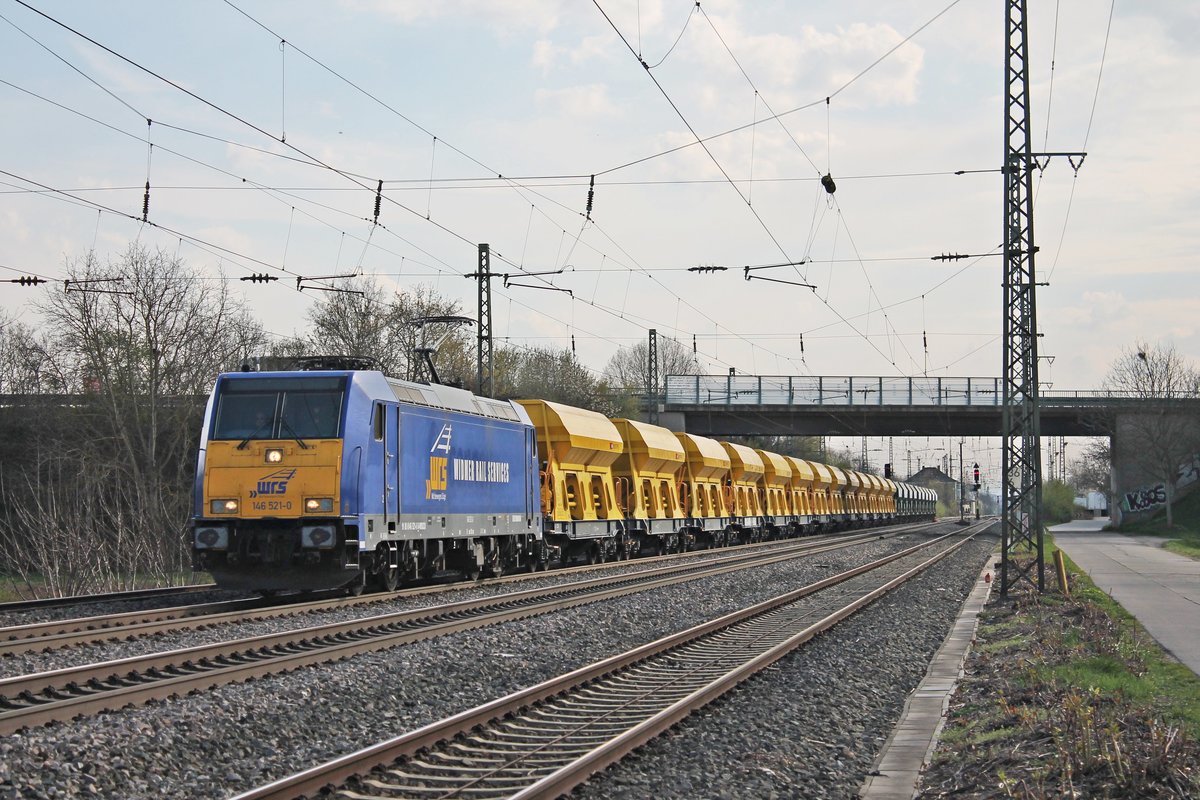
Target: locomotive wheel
(390, 579)
(504, 561)
(386, 577)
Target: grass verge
(1068, 697)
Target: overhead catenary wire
(1086, 136)
(640, 269)
(207, 246)
(811, 104)
(365, 92)
(683, 118)
(712, 157)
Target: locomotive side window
(275, 408)
(378, 422)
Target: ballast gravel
(808, 727)
(121, 647)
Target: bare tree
(1092, 471)
(26, 366)
(138, 351)
(388, 328)
(630, 366)
(1159, 439)
(555, 375)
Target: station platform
(1160, 588)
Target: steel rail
(611, 747)
(28, 700)
(108, 597)
(55, 634)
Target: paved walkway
(1160, 588)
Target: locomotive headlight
(227, 506)
(315, 505)
(274, 455)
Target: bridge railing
(812, 390)
(729, 390)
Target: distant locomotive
(344, 477)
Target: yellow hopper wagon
(702, 490)
(576, 450)
(647, 475)
(744, 489)
(804, 513)
(776, 495)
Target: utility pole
(1021, 445)
(1021, 457)
(652, 377)
(1021, 483)
(483, 359)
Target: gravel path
(218, 743)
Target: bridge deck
(805, 405)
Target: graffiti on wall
(1144, 498)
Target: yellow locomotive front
(269, 495)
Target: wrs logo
(274, 484)
(435, 486)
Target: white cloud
(506, 15)
(578, 101)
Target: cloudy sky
(439, 98)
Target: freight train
(327, 478)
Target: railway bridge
(789, 405)
(772, 405)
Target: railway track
(108, 597)
(30, 700)
(51, 635)
(542, 741)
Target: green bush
(1058, 502)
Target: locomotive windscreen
(279, 408)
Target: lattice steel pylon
(652, 377)
(483, 361)
(1021, 483)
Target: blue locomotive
(320, 479)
